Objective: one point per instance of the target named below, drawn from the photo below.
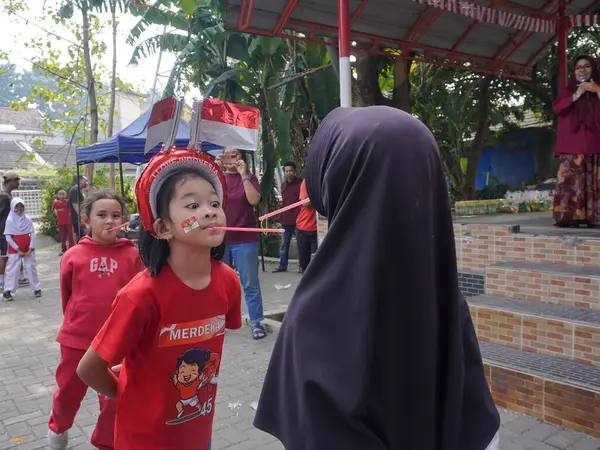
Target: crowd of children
(145, 327)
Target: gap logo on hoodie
(103, 265)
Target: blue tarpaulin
(129, 144)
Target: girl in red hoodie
(91, 274)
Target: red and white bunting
(493, 16)
(584, 20)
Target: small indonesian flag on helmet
(163, 123)
(228, 124)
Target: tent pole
(121, 175)
(78, 203)
(262, 250)
(122, 183)
(344, 47)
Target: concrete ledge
(564, 393)
(564, 269)
(537, 309)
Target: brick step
(561, 284)
(564, 393)
(547, 329)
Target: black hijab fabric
(377, 350)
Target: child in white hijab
(20, 236)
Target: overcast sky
(16, 32)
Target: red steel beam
(248, 6)
(358, 11)
(420, 21)
(508, 43)
(521, 8)
(435, 16)
(550, 41)
(465, 35)
(434, 55)
(501, 53)
(423, 23)
(285, 15)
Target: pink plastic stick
(251, 230)
(119, 227)
(287, 208)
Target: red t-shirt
(307, 217)
(238, 211)
(62, 212)
(22, 240)
(169, 337)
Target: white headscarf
(17, 224)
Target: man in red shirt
(306, 234)
(290, 193)
(63, 216)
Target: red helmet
(164, 164)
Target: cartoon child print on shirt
(195, 374)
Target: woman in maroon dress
(577, 199)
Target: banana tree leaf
(269, 45)
(228, 75)
(237, 47)
(324, 92)
(169, 42)
(282, 121)
(155, 16)
(268, 178)
(188, 6)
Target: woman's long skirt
(577, 198)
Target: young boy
(61, 210)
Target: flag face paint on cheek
(189, 224)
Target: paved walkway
(29, 355)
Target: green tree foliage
(293, 84)
(62, 178)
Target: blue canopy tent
(127, 146)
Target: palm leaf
(154, 15)
(166, 42)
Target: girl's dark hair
(94, 196)
(155, 252)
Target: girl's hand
(241, 167)
(21, 253)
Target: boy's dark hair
(155, 252)
(197, 356)
(94, 196)
(291, 164)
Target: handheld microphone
(581, 79)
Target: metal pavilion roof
(420, 31)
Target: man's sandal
(258, 331)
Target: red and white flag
(228, 124)
(163, 123)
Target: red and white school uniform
(170, 338)
(91, 274)
(20, 236)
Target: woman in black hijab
(377, 350)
